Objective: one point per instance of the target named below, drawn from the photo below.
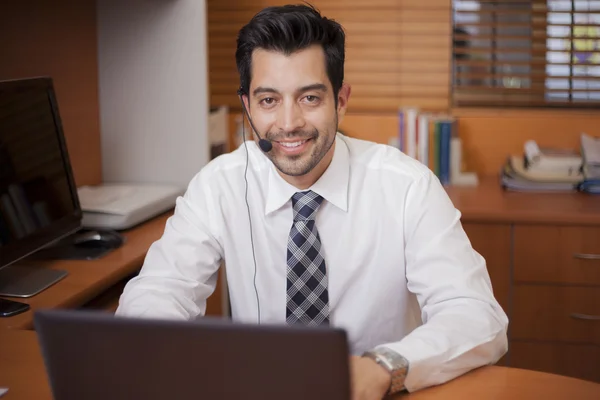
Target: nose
(290, 117)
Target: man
(319, 228)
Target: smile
(293, 148)
(293, 144)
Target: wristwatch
(394, 363)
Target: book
(423, 139)
(445, 136)
(436, 149)
(410, 117)
(401, 132)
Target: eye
(311, 99)
(267, 101)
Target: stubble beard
(302, 164)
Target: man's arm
(464, 326)
(180, 269)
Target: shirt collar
(332, 185)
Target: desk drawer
(565, 254)
(578, 361)
(568, 314)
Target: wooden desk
(89, 279)
(499, 383)
(22, 371)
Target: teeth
(292, 144)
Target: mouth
(295, 147)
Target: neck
(303, 182)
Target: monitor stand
(19, 280)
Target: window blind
(398, 53)
(526, 53)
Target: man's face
(292, 104)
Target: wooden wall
(58, 39)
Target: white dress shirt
(402, 272)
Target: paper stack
(542, 169)
(590, 150)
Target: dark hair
(288, 29)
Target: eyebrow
(314, 86)
(262, 89)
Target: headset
(266, 146)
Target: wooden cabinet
(547, 279)
(543, 255)
(555, 319)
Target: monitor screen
(38, 197)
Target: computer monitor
(38, 196)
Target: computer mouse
(103, 239)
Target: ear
(244, 99)
(342, 101)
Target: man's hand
(370, 381)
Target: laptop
(95, 355)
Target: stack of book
(542, 169)
(434, 140)
(590, 151)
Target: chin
(297, 170)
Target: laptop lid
(98, 356)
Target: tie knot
(305, 205)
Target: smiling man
(319, 228)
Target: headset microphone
(264, 144)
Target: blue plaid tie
(307, 296)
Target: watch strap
(394, 363)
